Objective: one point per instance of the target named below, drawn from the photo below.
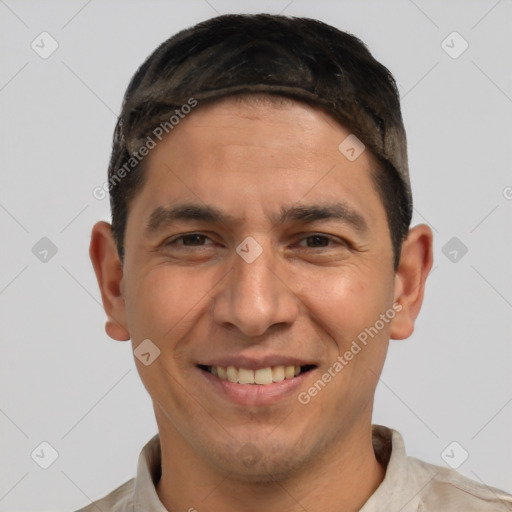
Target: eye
(317, 240)
(313, 241)
(189, 240)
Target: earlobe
(415, 263)
(109, 273)
(115, 331)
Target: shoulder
(119, 500)
(448, 490)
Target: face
(256, 250)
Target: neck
(343, 478)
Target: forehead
(272, 127)
(257, 149)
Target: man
(260, 259)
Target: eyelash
(173, 242)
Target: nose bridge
(254, 282)
(254, 297)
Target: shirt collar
(149, 470)
(390, 452)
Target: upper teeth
(261, 376)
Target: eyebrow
(305, 214)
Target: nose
(255, 296)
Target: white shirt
(409, 485)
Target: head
(244, 235)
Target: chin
(259, 462)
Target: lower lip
(256, 394)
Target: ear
(415, 263)
(109, 273)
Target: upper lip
(254, 363)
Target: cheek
(347, 299)
(163, 305)
(348, 308)
(166, 300)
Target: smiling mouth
(261, 376)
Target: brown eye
(319, 241)
(189, 240)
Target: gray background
(65, 382)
